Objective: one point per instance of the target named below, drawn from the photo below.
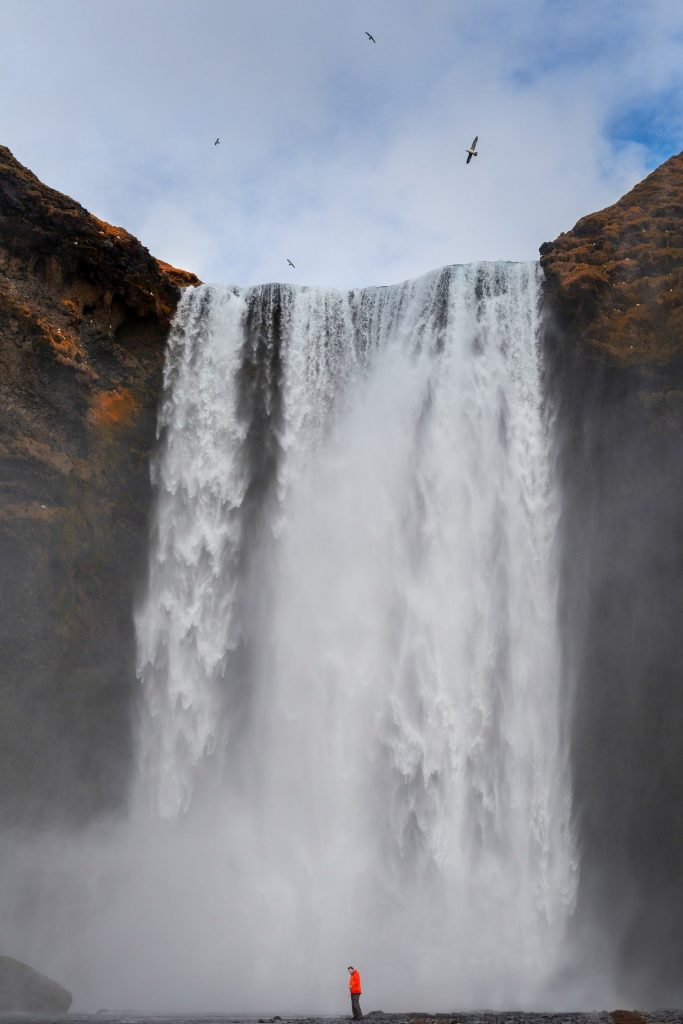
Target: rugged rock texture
(616, 279)
(25, 990)
(84, 310)
(614, 340)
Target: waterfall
(348, 648)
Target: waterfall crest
(348, 648)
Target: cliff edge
(616, 279)
(614, 362)
(84, 312)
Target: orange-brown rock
(616, 279)
(84, 311)
(627, 1017)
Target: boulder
(25, 990)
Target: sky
(345, 156)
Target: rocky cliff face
(614, 339)
(84, 311)
(616, 279)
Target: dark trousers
(355, 1006)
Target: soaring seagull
(371, 38)
(217, 142)
(472, 151)
(290, 263)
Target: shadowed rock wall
(84, 311)
(614, 338)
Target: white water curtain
(351, 734)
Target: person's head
(351, 970)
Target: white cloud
(346, 156)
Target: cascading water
(348, 647)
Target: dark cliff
(614, 353)
(84, 311)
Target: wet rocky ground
(480, 1017)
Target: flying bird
(371, 38)
(290, 263)
(217, 142)
(472, 151)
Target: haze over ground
(345, 156)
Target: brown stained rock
(101, 273)
(84, 312)
(615, 281)
(119, 407)
(182, 278)
(627, 1017)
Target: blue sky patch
(655, 123)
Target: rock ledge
(24, 990)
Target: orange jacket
(354, 984)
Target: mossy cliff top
(615, 281)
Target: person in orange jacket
(355, 990)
